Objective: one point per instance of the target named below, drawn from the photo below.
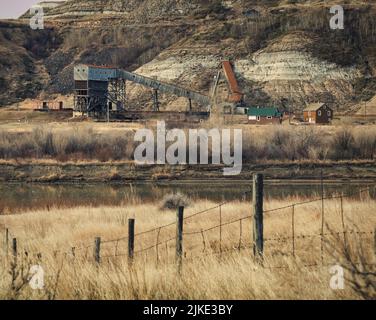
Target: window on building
(258, 118)
(319, 113)
(269, 117)
(329, 113)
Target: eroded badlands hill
(284, 51)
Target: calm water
(18, 197)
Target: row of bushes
(283, 144)
(290, 144)
(78, 144)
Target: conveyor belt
(164, 87)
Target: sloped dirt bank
(128, 172)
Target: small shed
(318, 113)
(258, 115)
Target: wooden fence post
(293, 230)
(343, 224)
(131, 223)
(157, 245)
(6, 248)
(179, 237)
(220, 231)
(14, 247)
(322, 217)
(97, 250)
(258, 223)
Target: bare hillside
(284, 51)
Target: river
(24, 197)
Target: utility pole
(156, 100)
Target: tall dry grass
(79, 143)
(48, 239)
(259, 144)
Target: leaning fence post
(131, 223)
(258, 208)
(14, 247)
(97, 250)
(179, 237)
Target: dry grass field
(47, 238)
(102, 142)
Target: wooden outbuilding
(318, 113)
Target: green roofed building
(259, 115)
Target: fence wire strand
(74, 249)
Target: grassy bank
(49, 236)
(47, 171)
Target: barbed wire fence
(102, 249)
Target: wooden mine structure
(101, 90)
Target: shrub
(44, 144)
(343, 145)
(366, 144)
(216, 7)
(211, 7)
(174, 201)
